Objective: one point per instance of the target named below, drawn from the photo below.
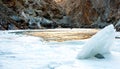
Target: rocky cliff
(36, 14)
(93, 13)
(29, 14)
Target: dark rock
(99, 24)
(9, 19)
(48, 24)
(117, 26)
(12, 9)
(5, 22)
(99, 56)
(4, 9)
(16, 18)
(87, 12)
(65, 13)
(65, 22)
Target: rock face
(36, 14)
(32, 14)
(93, 13)
(9, 19)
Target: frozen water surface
(19, 51)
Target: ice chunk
(99, 43)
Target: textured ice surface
(100, 43)
(28, 52)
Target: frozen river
(18, 51)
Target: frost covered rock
(99, 43)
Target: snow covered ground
(19, 51)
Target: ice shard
(98, 44)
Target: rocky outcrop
(32, 14)
(37, 14)
(93, 13)
(9, 19)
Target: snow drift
(99, 43)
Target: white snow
(19, 51)
(99, 43)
